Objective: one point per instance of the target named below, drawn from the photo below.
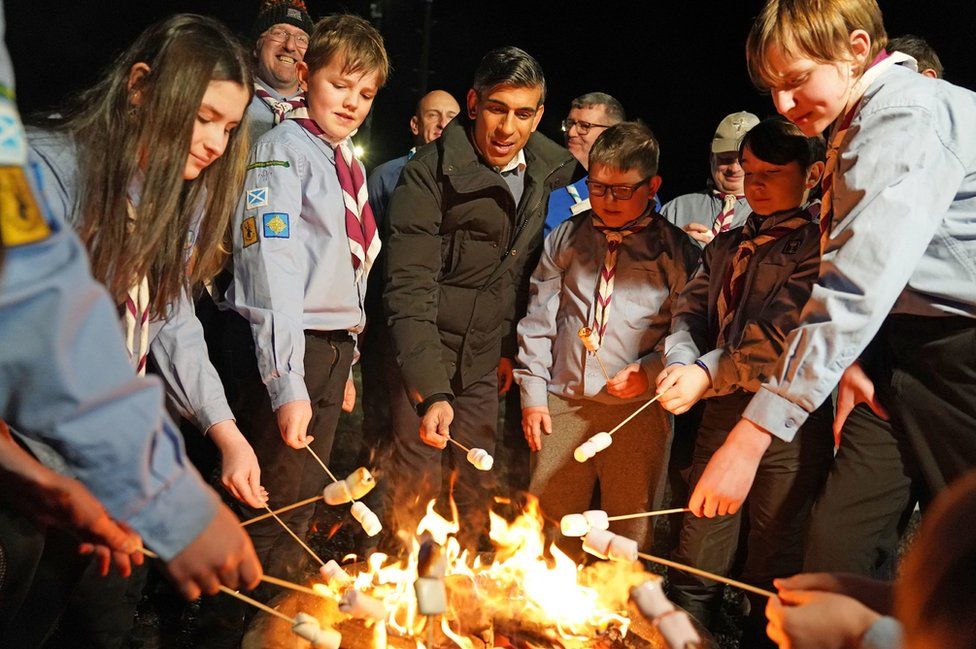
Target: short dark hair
(627, 145)
(919, 49)
(509, 66)
(780, 142)
(613, 108)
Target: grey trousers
(631, 472)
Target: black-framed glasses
(279, 35)
(619, 192)
(581, 127)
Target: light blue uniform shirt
(176, 344)
(66, 381)
(259, 116)
(702, 207)
(652, 268)
(903, 238)
(292, 264)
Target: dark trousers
(288, 474)
(789, 477)
(924, 371)
(417, 467)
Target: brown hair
(627, 145)
(817, 29)
(353, 38)
(779, 141)
(119, 142)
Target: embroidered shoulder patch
(21, 222)
(792, 247)
(264, 164)
(276, 225)
(257, 197)
(249, 231)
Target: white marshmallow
(592, 446)
(356, 485)
(597, 542)
(650, 599)
(622, 549)
(334, 575)
(597, 518)
(369, 521)
(360, 605)
(308, 628)
(481, 459)
(574, 525)
(590, 339)
(431, 595)
(677, 630)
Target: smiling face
(727, 172)
(220, 112)
(277, 61)
(338, 100)
(810, 94)
(503, 121)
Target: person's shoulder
(388, 168)
(56, 147)
(547, 154)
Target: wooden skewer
(602, 366)
(295, 536)
(660, 512)
(459, 445)
(240, 596)
(330, 474)
(302, 503)
(707, 575)
(292, 586)
(634, 414)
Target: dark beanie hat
(289, 12)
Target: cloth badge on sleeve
(21, 222)
(257, 197)
(792, 247)
(264, 164)
(249, 231)
(13, 143)
(276, 225)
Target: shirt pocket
(768, 278)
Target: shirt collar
(516, 164)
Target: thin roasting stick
(295, 536)
(234, 593)
(331, 475)
(660, 512)
(291, 586)
(302, 503)
(707, 575)
(634, 414)
(459, 444)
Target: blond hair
(816, 29)
(354, 39)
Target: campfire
(526, 594)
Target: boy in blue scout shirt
(304, 241)
(626, 256)
(727, 333)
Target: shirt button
(790, 423)
(514, 252)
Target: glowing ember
(523, 587)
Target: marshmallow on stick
(673, 624)
(308, 628)
(360, 605)
(334, 575)
(369, 521)
(478, 457)
(429, 587)
(580, 524)
(607, 545)
(591, 340)
(592, 446)
(356, 485)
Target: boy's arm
(689, 319)
(270, 268)
(888, 206)
(746, 361)
(537, 330)
(413, 268)
(181, 356)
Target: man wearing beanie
(281, 34)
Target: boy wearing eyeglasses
(616, 268)
(281, 38)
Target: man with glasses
(281, 30)
(589, 115)
(722, 205)
(465, 227)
